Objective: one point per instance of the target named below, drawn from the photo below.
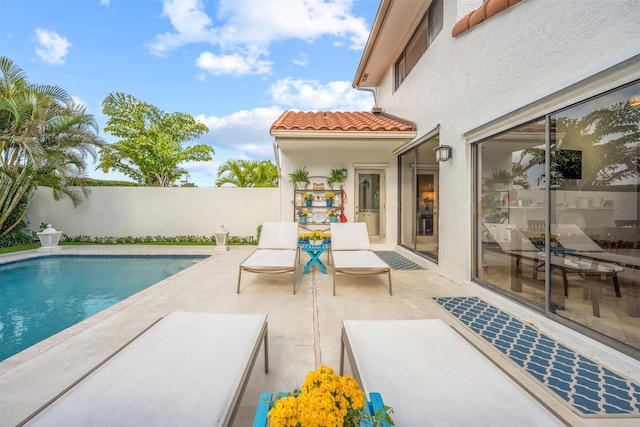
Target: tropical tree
(247, 173)
(150, 149)
(45, 139)
(610, 136)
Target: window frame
(401, 71)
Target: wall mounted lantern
(443, 153)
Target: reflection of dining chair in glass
(627, 223)
(572, 218)
(536, 225)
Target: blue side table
(314, 252)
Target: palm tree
(45, 139)
(247, 173)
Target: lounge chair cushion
(189, 369)
(271, 259)
(430, 375)
(349, 236)
(278, 235)
(357, 260)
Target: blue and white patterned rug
(588, 386)
(397, 261)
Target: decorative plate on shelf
(318, 217)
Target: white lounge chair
(352, 254)
(276, 253)
(430, 375)
(188, 369)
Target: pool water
(40, 297)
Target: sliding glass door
(557, 219)
(418, 199)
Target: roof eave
(378, 22)
(327, 134)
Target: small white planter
(222, 236)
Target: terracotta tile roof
(488, 9)
(340, 121)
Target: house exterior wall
(319, 159)
(153, 211)
(535, 57)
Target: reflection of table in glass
(314, 252)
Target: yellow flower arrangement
(304, 212)
(333, 213)
(314, 235)
(307, 197)
(325, 399)
(329, 197)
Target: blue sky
(235, 65)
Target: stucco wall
(319, 159)
(533, 58)
(143, 211)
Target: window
(427, 31)
(583, 209)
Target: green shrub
(16, 238)
(129, 240)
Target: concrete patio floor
(304, 329)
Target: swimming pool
(42, 296)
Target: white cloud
(203, 174)
(190, 22)
(52, 48)
(250, 22)
(105, 3)
(310, 94)
(301, 59)
(234, 64)
(247, 28)
(245, 130)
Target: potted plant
(329, 197)
(333, 216)
(299, 178)
(303, 216)
(316, 237)
(326, 396)
(308, 198)
(336, 178)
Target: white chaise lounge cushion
(349, 236)
(276, 253)
(265, 259)
(278, 235)
(352, 254)
(430, 375)
(357, 260)
(189, 369)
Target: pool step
(173, 268)
(187, 263)
(176, 267)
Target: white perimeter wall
(533, 58)
(145, 211)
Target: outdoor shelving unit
(319, 205)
